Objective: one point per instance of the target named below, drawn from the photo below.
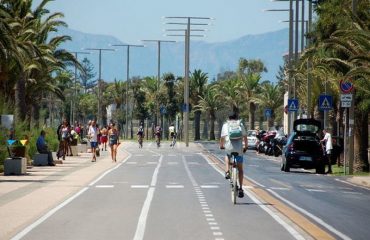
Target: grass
(339, 171)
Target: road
(180, 193)
(329, 201)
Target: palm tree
(198, 81)
(210, 104)
(270, 97)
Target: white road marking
(104, 186)
(209, 186)
(354, 193)
(318, 220)
(354, 185)
(139, 155)
(131, 163)
(217, 233)
(172, 163)
(215, 228)
(315, 190)
(28, 229)
(210, 219)
(209, 215)
(140, 230)
(174, 186)
(193, 163)
(151, 163)
(172, 155)
(212, 223)
(139, 186)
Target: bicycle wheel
(235, 185)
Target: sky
(133, 20)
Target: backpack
(235, 130)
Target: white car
(252, 138)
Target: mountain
(212, 58)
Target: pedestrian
(93, 136)
(42, 148)
(328, 144)
(104, 138)
(64, 137)
(113, 141)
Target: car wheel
(285, 167)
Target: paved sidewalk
(26, 198)
(360, 180)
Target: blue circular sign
(346, 86)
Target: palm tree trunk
(205, 126)
(35, 114)
(20, 99)
(252, 111)
(212, 130)
(361, 142)
(197, 115)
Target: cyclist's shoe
(227, 175)
(241, 193)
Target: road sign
(325, 102)
(186, 108)
(163, 110)
(268, 113)
(346, 104)
(346, 86)
(346, 97)
(293, 105)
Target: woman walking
(93, 136)
(64, 133)
(113, 141)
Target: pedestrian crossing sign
(293, 105)
(325, 102)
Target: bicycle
(234, 176)
(173, 141)
(140, 140)
(158, 140)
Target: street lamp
(127, 79)
(75, 83)
(290, 10)
(188, 24)
(99, 118)
(159, 71)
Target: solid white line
(47, 215)
(318, 220)
(110, 170)
(351, 184)
(140, 230)
(139, 186)
(104, 186)
(289, 228)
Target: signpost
(346, 87)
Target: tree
(198, 81)
(87, 81)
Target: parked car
(303, 148)
(252, 138)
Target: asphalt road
(167, 193)
(329, 201)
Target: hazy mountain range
(212, 58)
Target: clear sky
(134, 20)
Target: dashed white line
(315, 190)
(139, 186)
(104, 186)
(174, 186)
(209, 186)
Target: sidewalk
(360, 180)
(26, 198)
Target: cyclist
(172, 132)
(234, 139)
(157, 133)
(140, 135)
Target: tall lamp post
(73, 112)
(127, 77)
(188, 24)
(290, 88)
(99, 117)
(159, 71)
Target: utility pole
(127, 80)
(187, 31)
(158, 73)
(99, 117)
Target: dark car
(303, 148)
